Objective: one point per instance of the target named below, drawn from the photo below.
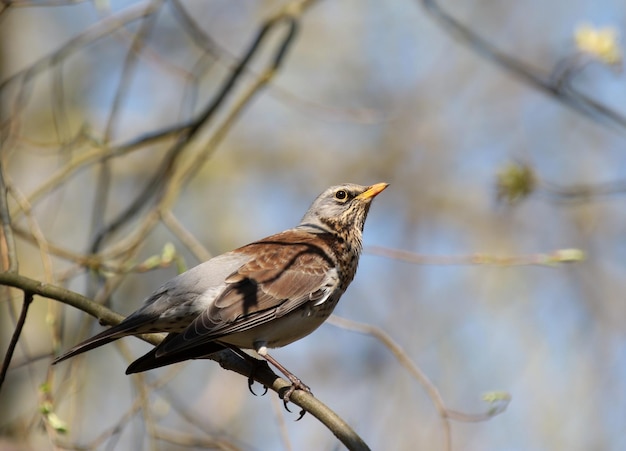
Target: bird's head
(341, 208)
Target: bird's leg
(296, 383)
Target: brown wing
(287, 270)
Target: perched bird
(266, 294)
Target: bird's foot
(296, 384)
(251, 381)
(255, 365)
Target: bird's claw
(300, 415)
(296, 384)
(251, 383)
(251, 378)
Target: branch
(155, 186)
(104, 315)
(7, 241)
(28, 298)
(581, 192)
(227, 359)
(530, 75)
(571, 255)
(500, 400)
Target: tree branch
(28, 298)
(540, 80)
(7, 241)
(227, 359)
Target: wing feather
(277, 280)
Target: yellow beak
(372, 191)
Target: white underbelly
(278, 332)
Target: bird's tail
(96, 341)
(150, 360)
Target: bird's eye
(341, 195)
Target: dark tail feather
(96, 341)
(150, 361)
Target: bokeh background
(368, 92)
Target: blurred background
(489, 175)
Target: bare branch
(28, 298)
(227, 359)
(444, 413)
(7, 241)
(539, 79)
(551, 259)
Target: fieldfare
(266, 294)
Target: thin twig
(581, 193)
(540, 259)
(7, 240)
(188, 239)
(445, 413)
(35, 230)
(193, 166)
(103, 183)
(406, 362)
(175, 437)
(97, 31)
(25, 77)
(277, 407)
(28, 299)
(536, 78)
(155, 186)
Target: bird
(266, 294)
